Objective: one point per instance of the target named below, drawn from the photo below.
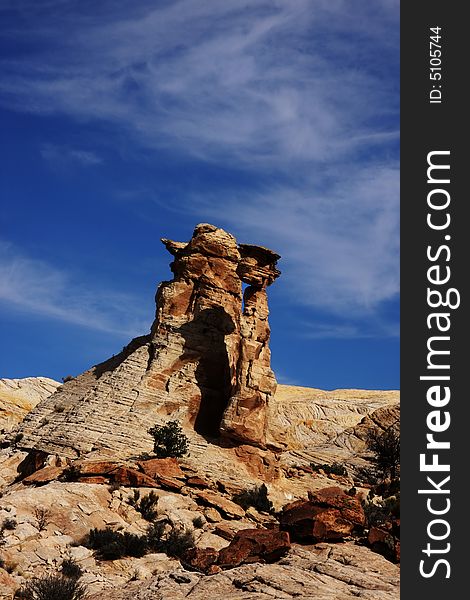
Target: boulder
(254, 545)
(43, 476)
(197, 482)
(263, 464)
(161, 467)
(201, 559)
(228, 508)
(95, 467)
(385, 539)
(131, 477)
(168, 483)
(328, 514)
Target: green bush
(146, 506)
(256, 497)
(178, 542)
(155, 538)
(71, 569)
(199, 522)
(169, 440)
(385, 446)
(335, 468)
(52, 587)
(174, 543)
(111, 545)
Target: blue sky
(124, 122)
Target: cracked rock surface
(322, 572)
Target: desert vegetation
(256, 497)
(169, 440)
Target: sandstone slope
(19, 396)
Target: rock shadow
(205, 344)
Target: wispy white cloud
(36, 287)
(339, 246)
(66, 156)
(274, 88)
(260, 84)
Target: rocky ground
(317, 545)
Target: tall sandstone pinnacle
(205, 362)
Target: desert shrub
(59, 408)
(42, 516)
(169, 440)
(385, 446)
(70, 568)
(114, 486)
(67, 378)
(17, 438)
(10, 566)
(146, 506)
(256, 497)
(367, 476)
(53, 587)
(135, 545)
(379, 512)
(9, 524)
(110, 545)
(155, 538)
(335, 468)
(376, 514)
(178, 541)
(198, 522)
(174, 542)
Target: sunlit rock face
(205, 362)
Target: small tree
(169, 440)
(386, 448)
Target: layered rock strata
(19, 396)
(205, 362)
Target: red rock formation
(247, 546)
(161, 467)
(202, 559)
(254, 545)
(385, 539)
(328, 514)
(206, 361)
(222, 361)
